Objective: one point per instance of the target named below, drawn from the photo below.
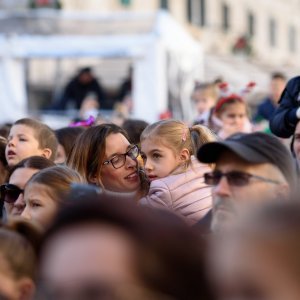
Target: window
(164, 4)
(251, 24)
(125, 2)
(202, 12)
(196, 12)
(272, 32)
(292, 39)
(225, 17)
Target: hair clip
(184, 134)
(85, 123)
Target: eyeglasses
(10, 193)
(118, 161)
(234, 178)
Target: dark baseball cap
(256, 148)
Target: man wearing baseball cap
(249, 169)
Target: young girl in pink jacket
(176, 177)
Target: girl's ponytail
(201, 135)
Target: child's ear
(184, 155)
(47, 153)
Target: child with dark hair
(134, 128)
(66, 138)
(29, 137)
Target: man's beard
(224, 214)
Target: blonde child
(232, 113)
(168, 148)
(27, 138)
(205, 96)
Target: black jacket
(203, 226)
(75, 92)
(284, 120)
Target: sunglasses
(118, 161)
(10, 193)
(234, 178)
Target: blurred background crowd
(149, 149)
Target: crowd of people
(168, 210)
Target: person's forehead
(152, 144)
(22, 129)
(116, 143)
(21, 175)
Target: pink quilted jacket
(185, 194)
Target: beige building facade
(272, 27)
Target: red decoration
(165, 115)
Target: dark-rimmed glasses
(118, 161)
(234, 178)
(10, 193)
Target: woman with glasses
(11, 193)
(104, 156)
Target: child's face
(203, 101)
(40, 207)
(21, 144)
(234, 115)
(160, 161)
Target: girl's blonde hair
(177, 136)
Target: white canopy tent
(159, 56)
